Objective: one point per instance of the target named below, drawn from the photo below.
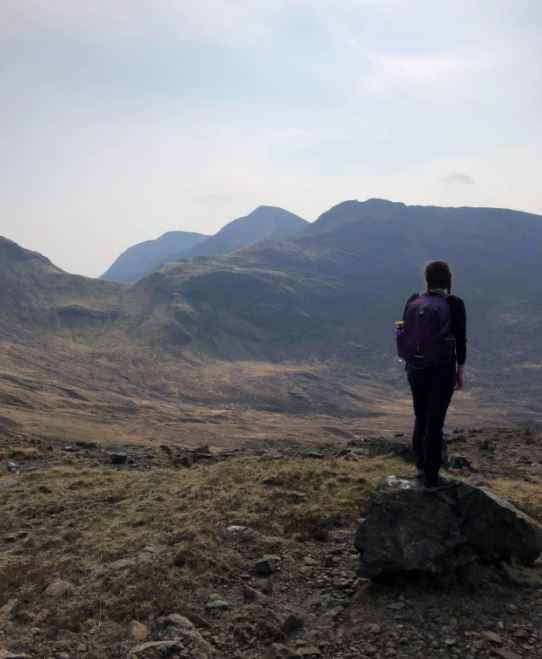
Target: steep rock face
(407, 530)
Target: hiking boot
(440, 484)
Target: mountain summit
(266, 222)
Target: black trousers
(432, 390)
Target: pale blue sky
(123, 119)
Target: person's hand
(459, 381)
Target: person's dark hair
(438, 275)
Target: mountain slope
(327, 295)
(265, 222)
(141, 259)
(344, 279)
(37, 298)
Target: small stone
(374, 628)
(506, 654)
(6, 654)
(160, 648)
(244, 533)
(521, 633)
(292, 623)
(332, 614)
(217, 605)
(491, 636)
(309, 560)
(449, 641)
(197, 620)
(395, 606)
(458, 462)
(59, 588)
(271, 455)
(350, 457)
(265, 566)
(315, 455)
(118, 458)
(253, 595)
(138, 632)
(176, 620)
(280, 651)
(185, 461)
(308, 651)
(122, 564)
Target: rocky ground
(124, 551)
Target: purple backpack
(425, 339)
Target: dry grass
(525, 496)
(169, 523)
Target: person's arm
(459, 330)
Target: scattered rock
(291, 623)
(487, 445)
(252, 595)
(459, 462)
(506, 654)
(217, 605)
(381, 446)
(492, 636)
(175, 620)
(14, 468)
(6, 654)
(265, 566)
(293, 494)
(122, 564)
(197, 620)
(138, 632)
(117, 458)
(157, 649)
(59, 588)
(244, 533)
(271, 455)
(185, 461)
(350, 457)
(279, 651)
(315, 455)
(408, 530)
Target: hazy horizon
(125, 120)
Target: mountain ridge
(265, 222)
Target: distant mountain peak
(264, 222)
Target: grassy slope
(74, 523)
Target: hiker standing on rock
(432, 339)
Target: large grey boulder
(408, 530)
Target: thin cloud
(458, 178)
(392, 74)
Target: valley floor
(251, 548)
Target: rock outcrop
(407, 530)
